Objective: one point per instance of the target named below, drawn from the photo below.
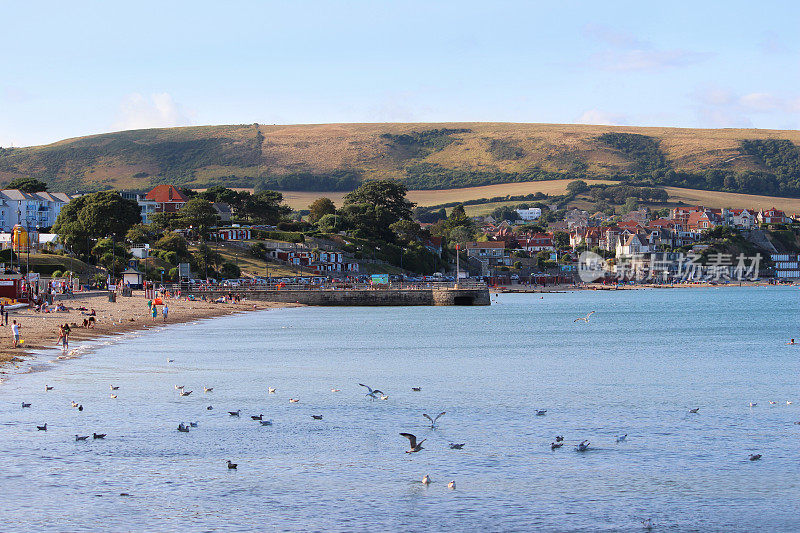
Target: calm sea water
(643, 360)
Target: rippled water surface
(643, 360)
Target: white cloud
(626, 52)
(158, 111)
(595, 116)
(717, 107)
(761, 102)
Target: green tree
(461, 235)
(198, 214)
(174, 242)
(140, 234)
(407, 230)
(561, 240)
(386, 194)
(27, 184)
(111, 254)
(505, 212)
(94, 215)
(319, 208)
(577, 187)
(230, 270)
(328, 224)
(264, 208)
(458, 218)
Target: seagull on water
(451, 485)
(384, 396)
(80, 407)
(426, 480)
(754, 456)
(541, 412)
(583, 446)
(24, 405)
(336, 390)
(193, 424)
(316, 417)
(74, 404)
(584, 318)
(182, 428)
(455, 446)
(294, 400)
(559, 438)
(257, 417)
(788, 402)
(231, 466)
(42, 428)
(695, 410)
(373, 393)
(773, 403)
(753, 404)
(433, 420)
(271, 390)
(48, 387)
(178, 387)
(556, 445)
(234, 413)
(208, 389)
(113, 396)
(113, 387)
(209, 408)
(621, 438)
(77, 438)
(416, 389)
(185, 392)
(412, 440)
(266, 422)
(98, 436)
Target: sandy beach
(40, 330)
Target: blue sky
(77, 68)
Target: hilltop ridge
(336, 157)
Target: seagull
(185, 392)
(98, 435)
(182, 428)
(24, 405)
(266, 422)
(271, 390)
(753, 404)
(416, 389)
(336, 390)
(294, 400)
(77, 438)
(772, 403)
(208, 389)
(621, 438)
(451, 485)
(113, 396)
(170, 360)
(234, 413)
(583, 446)
(412, 440)
(584, 318)
(541, 412)
(80, 408)
(373, 393)
(788, 402)
(755, 456)
(193, 424)
(559, 438)
(433, 420)
(74, 404)
(556, 445)
(209, 408)
(426, 480)
(231, 466)
(454, 446)
(178, 387)
(112, 387)
(695, 410)
(257, 417)
(42, 428)
(384, 397)
(316, 417)
(48, 387)
(647, 524)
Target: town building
(773, 216)
(491, 255)
(168, 198)
(147, 208)
(532, 213)
(30, 210)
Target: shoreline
(39, 331)
(527, 289)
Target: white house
(30, 210)
(631, 246)
(532, 213)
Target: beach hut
(132, 277)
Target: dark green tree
(112, 254)
(388, 195)
(319, 208)
(264, 208)
(99, 214)
(27, 184)
(199, 215)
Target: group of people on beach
(152, 306)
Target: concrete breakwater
(363, 297)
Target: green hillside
(336, 157)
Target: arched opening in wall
(463, 300)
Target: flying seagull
(433, 420)
(412, 440)
(113, 396)
(373, 393)
(193, 424)
(584, 318)
(178, 387)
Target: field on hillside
(457, 154)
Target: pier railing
(338, 286)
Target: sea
(641, 362)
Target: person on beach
(791, 342)
(2, 312)
(155, 312)
(15, 332)
(6, 316)
(150, 305)
(164, 312)
(63, 337)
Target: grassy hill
(335, 157)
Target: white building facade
(30, 210)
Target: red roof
(487, 244)
(165, 194)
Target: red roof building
(169, 198)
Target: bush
(230, 270)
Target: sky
(69, 69)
